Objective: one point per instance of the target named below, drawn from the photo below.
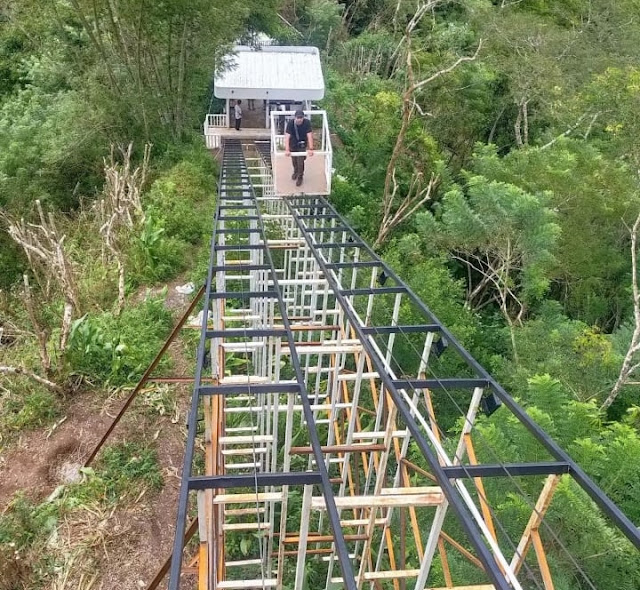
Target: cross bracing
(314, 447)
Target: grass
(25, 405)
(39, 542)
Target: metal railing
(278, 151)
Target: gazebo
(273, 82)
(266, 79)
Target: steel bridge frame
(293, 334)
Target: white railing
(278, 146)
(213, 124)
(216, 120)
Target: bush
(117, 350)
(180, 199)
(154, 257)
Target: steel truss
(313, 449)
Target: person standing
(238, 114)
(298, 137)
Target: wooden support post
(541, 507)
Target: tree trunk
(627, 367)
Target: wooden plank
(542, 560)
(245, 440)
(482, 494)
(244, 511)
(251, 451)
(321, 539)
(387, 498)
(362, 522)
(203, 567)
(354, 448)
(546, 495)
(248, 498)
(245, 526)
(243, 563)
(243, 584)
(390, 575)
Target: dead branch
(42, 333)
(120, 212)
(418, 194)
(570, 130)
(8, 370)
(43, 245)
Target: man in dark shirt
(298, 137)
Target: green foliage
(499, 231)
(176, 200)
(594, 197)
(323, 19)
(28, 406)
(123, 464)
(581, 358)
(593, 545)
(116, 350)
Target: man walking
(238, 114)
(298, 137)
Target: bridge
(314, 449)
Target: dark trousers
(238, 121)
(298, 163)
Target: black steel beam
(451, 493)
(342, 551)
(329, 229)
(628, 528)
(255, 388)
(507, 469)
(373, 291)
(421, 329)
(440, 383)
(334, 245)
(355, 264)
(238, 230)
(243, 295)
(238, 218)
(293, 478)
(320, 216)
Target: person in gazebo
(298, 137)
(238, 114)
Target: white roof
(272, 73)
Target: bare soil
(33, 464)
(142, 532)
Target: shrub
(117, 350)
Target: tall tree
(505, 239)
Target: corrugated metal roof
(274, 72)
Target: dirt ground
(141, 533)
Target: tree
(420, 186)
(505, 239)
(594, 195)
(120, 213)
